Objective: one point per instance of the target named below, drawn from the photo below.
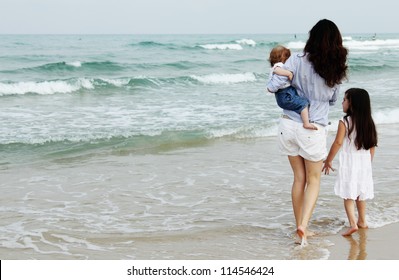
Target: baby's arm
(283, 72)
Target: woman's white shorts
(296, 140)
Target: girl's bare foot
(310, 126)
(350, 231)
(362, 226)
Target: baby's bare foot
(310, 126)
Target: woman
(318, 73)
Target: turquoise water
(114, 136)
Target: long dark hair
(360, 112)
(326, 52)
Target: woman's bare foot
(302, 235)
(309, 126)
(300, 231)
(350, 231)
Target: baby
(280, 84)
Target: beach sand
(367, 244)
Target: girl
(358, 137)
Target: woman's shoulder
(292, 61)
(299, 55)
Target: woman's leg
(313, 174)
(298, 186)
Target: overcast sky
(194, 16)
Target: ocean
(164, 147)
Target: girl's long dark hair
(326, 52)
(360, 112)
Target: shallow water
(220, 200)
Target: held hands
(326, 167)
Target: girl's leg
(298, 186)
(313, 174)
(350, 212)
(361, 209)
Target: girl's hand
(326, 167)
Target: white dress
(355, 176)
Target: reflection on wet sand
(358, 249)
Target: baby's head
(279, 54)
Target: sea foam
(74, 64)
(53, 87)
(248, 42)
(222, 46)
(45, 88)
(352, 44)
(225, 78)
(387, 116)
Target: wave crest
(45, 88)
(222, 47)
(248, 42)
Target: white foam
(372, 44)
(84, 83)
(75, 64)
(225, 78)
(299, 45)
(74, 240)
(248, 42)
(116, 82)
(388, 116)
(358, 45)
(222, 46)
(44, 88)
(240, 133)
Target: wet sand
(367, 244)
